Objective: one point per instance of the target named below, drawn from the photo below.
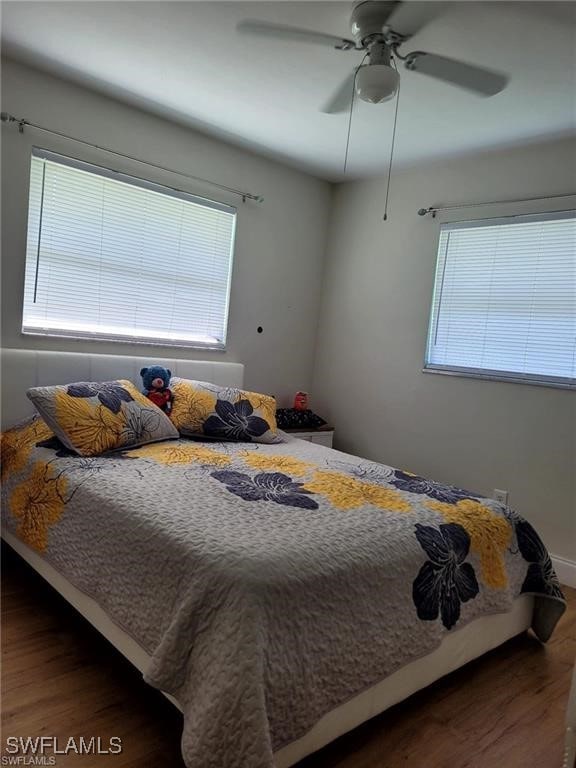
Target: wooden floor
(61, 678)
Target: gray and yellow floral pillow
(205, 410)
(91, 418)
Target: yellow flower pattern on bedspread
(37, 503)
(93, 428)
(263, 405)
(17, 443)
(191, 406)
(276, 463)
(490, 535)
(346, 492)
(179, 454)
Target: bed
(279, 594)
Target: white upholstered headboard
(25, 368)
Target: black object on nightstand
(293, 418)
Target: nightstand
(323, 436)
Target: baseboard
(565, 570)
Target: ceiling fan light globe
(376, 83)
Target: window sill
(493, 376)
(207, 347)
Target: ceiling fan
(379, 29)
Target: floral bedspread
(269, 583)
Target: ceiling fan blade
(284, 32)
(342, 97)
(484, 82)
(409, 17)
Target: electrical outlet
(501, 496)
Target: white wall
(280, 244)
(368, 379)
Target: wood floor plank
(61, 678)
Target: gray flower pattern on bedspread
(110, 393)
(235, 421)
(445, 580)
(266, 486)
(449, 494)
(540, 577)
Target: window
(117, 258)
(504, 301)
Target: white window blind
(113, 257)
(504, 302)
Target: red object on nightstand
(301, 401)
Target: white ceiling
(186, 61)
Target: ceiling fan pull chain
(351, 112)
(349, 124)
(385, 217)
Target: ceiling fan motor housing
(368, 19)
(376, 81)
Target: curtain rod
(433, 209)
(5, 117)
